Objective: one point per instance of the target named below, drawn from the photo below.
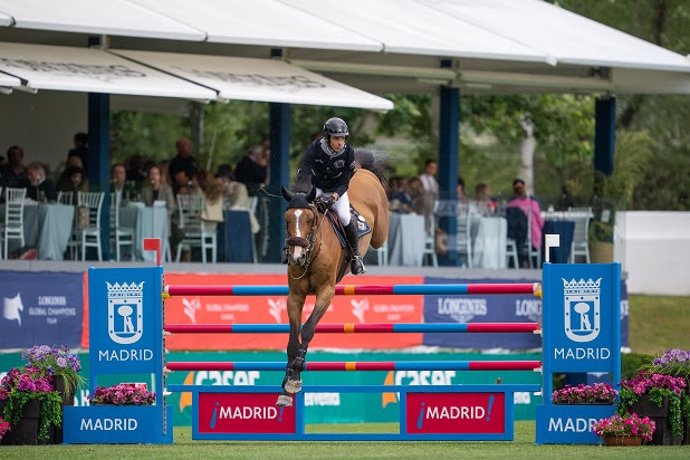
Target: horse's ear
(311, 195)
(286, 193)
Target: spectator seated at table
(401, 201)
(157, 191)
(38, 187)
(13, 173)
(530, 207)
(235, 195)
(486, 205)
(119, 185)
(212, 211)
(73, 180)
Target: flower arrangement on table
(59, 363)
(657, 387)
(23, 385)
(599, 393)
(626, 425)
(123, 394)
(4, 428)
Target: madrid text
(121, 354)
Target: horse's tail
(373, 161)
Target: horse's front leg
(324, 297)
(292, 382)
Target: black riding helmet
(335, 127)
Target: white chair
(463, 236)
(580, 247)
(511, 253)
(13, 228)
(190, 207)
(89, 207)
(119, 236)
(382, 254)
(430, 239)
(533, 255)
(65, 198)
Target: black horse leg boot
(357, 266)
(284, 255)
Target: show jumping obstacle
(580, 332)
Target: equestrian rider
(330, 163)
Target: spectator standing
(13, 173)
(252, 169)
(81, 149)
(428, 178)
(183, 161)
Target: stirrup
(357, 266)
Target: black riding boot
(284, 255)
(357, 266)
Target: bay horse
(317, 261)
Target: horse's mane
(374, 162)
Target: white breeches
(341, 206)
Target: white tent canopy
(494, 46)
(98, 17)
(9, 81)
(265, 22)
(263, 80)
(92, 70)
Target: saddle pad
(362, 226)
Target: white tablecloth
(148, 222)
(406, 237)
(489, 237)
(47, 227)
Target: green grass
(184, 448)
(658, 322)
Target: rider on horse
(329, 163)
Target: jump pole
(351, 328)
(396, 289)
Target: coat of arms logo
(125, 312)
(582, 309)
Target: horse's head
(300, 222)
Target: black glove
(328, 200)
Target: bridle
(308, 243)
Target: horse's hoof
(293, 386)
(284, 401)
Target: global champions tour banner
(40, 307)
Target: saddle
(363, 227)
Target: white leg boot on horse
(357, 267)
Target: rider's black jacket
(329, 171)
